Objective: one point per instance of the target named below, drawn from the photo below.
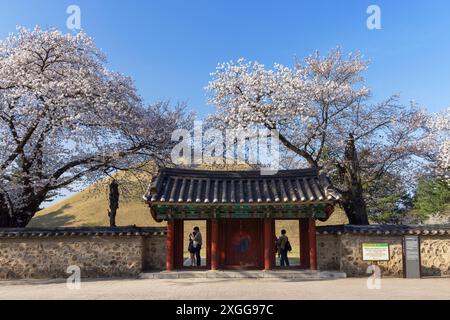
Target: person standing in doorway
(198, 245)
(283, 248)
(191, 248)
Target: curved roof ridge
(177, 186)
(237, 173)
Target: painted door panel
(242, 243)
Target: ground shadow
(53, 219)
(434, 272)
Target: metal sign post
(411, 249)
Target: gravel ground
(224, 289)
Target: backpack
(288, 246)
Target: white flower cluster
(64, 116)
(440, 135)
(315, 106)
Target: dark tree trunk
(19, 217)
(5, 219)
(113, 202)
(355, 208)
(18, 220)
(353, 201)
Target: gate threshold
(246, 274)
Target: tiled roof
(182, 186)
(75, 232)
(434, 230)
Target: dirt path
(228, 289)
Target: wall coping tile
(130, 231)
(399, 230)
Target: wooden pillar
(178, 235)
(312, 244)
(214, 244)
(170, 243)
(268, 244)
(304, 243)
(274, 239)
(208, 244)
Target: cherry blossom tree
(65, 118)
(439, 154)
(322, 110)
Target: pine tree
(432, 196)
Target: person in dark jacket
(282, 246)
(191, 248)
(197, 242)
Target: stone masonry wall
(50, 258)
(344, 253)
(97, 256)
(105, 254)
(435, 255)
(351, 260)
(154, 253)
(328, 252)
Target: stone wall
(352, 256)
(126, 252)
(96, 256)
(435, 255)
(328, 252)
(154, 253)
(340, 249)
(48, 254)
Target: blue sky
(170, 47)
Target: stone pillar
(268, 244)
(304, 243)
(214, 245)
(312, 244)
(170, 245)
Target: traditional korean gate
(226, 199)
(242, 243)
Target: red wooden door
(243, 244)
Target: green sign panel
(376, 252)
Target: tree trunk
(353, 201)
(355, 208)
(113, 202)
(19, 217)
(4, 213)
(18, 220)
(5, 220)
